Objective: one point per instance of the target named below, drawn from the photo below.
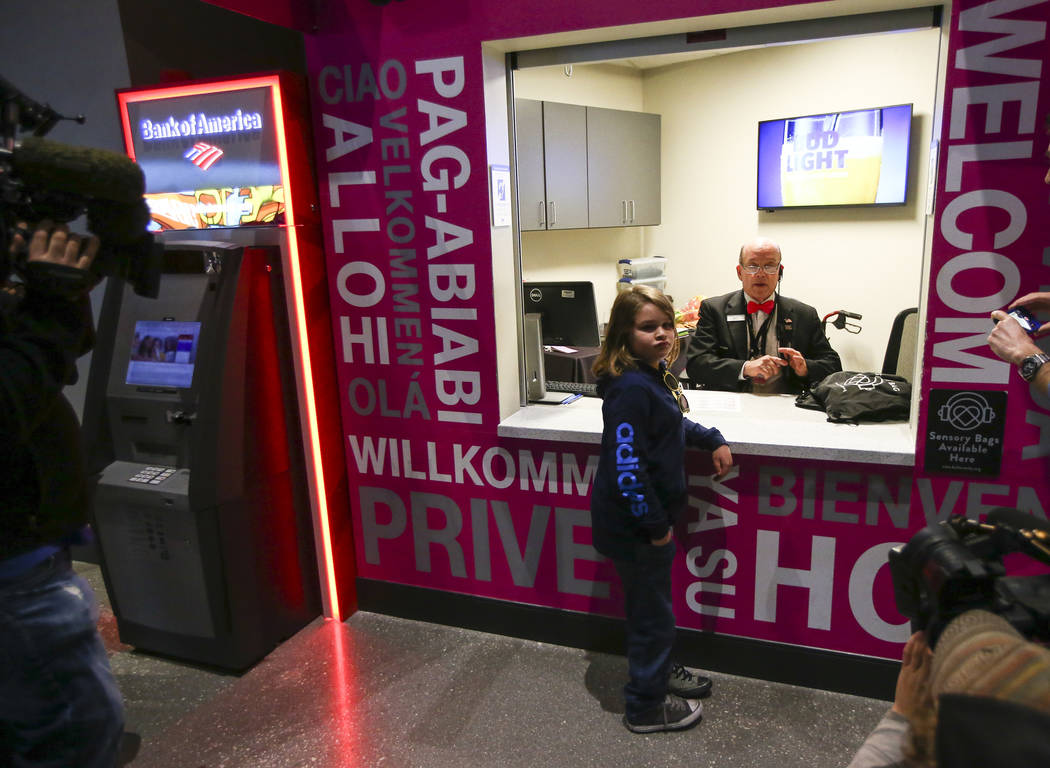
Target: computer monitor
(569, 314)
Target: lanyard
(757, 341)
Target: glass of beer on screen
(832, 159)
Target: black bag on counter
(852, 397)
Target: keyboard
(152, 475)
(584, 388)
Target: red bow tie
(765, 306)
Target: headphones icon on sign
(966, 411)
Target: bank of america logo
(203, 155)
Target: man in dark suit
(755, 340)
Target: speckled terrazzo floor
(382, 691)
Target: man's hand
(762, 368)
(723, 461)
(1037, 302)
(795, 360)
(56, 245)
(913, 692)
(1008, 340)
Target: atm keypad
(152, 475)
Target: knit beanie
(992, 689)
(981, 654)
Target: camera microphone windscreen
(1015, 518)
(91, 173)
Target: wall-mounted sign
(209, 154)
(964, 431)
(500, 195)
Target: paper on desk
(565, 350)
(708, 400)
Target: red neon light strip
(308, 381)
(331, 608)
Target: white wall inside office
(866, 260)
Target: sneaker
(687, 683)
(674, 714)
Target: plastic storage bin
(640, 269)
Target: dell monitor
(569, 314)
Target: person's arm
(709, 439)
(625, 412)
(722, 458)
(766, 367)
(707, 357)
(1010, 342)
(46, 331)
(1037, 302)
(884, 746)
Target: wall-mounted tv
(859, 157)
(209, 153)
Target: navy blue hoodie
(640, 490)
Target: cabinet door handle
(632, 212)
(623, 211)
(554, 213)
(541, 218)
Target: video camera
(42, 179)
(957, 565)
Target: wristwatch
(1030, 366)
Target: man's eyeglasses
(675, 386)
(752, 269)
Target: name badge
(736, 318)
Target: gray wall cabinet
(552, 165)
(623, 167)
(583, 167)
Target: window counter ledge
(754, 425)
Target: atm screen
(163, 353)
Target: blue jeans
(646, 584)
(59, 703)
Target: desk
(756, 425)
(570, 366)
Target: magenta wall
(990, 235)
(782, 550)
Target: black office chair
(900, 351)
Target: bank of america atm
(206, 523)
(201, 509)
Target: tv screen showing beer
(858, 157)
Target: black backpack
(852, 397)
